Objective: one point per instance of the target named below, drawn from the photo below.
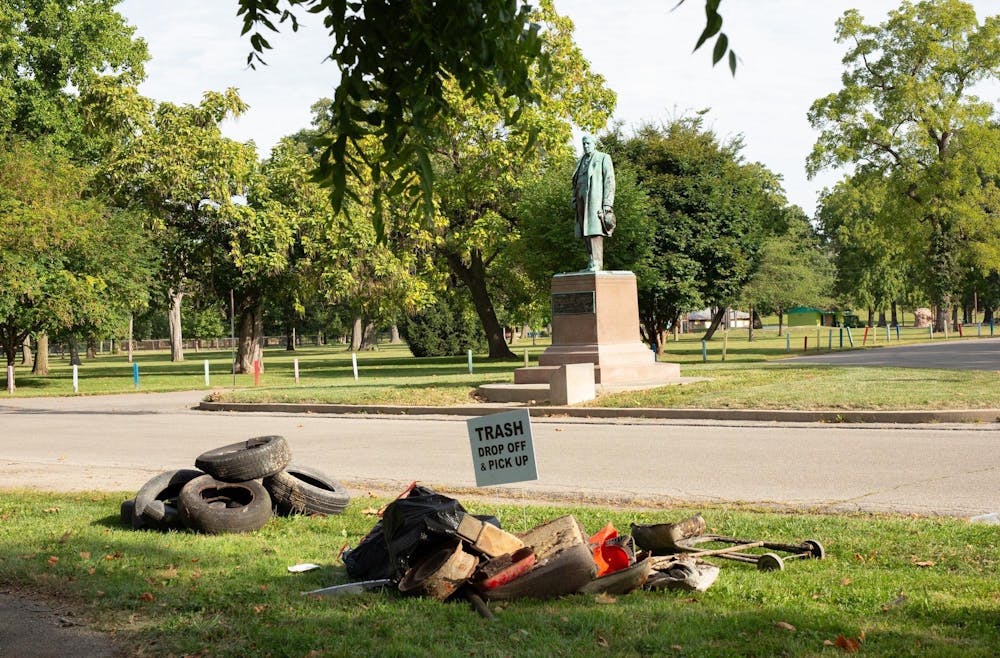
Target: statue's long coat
(593, 190)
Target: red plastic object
(608, 557)
(521, 562)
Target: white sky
(641, 47)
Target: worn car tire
(303, 490)
(252, 459)
(155, 503)
(216, 507)
(127, 514)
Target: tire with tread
(253, 459)
(155, 503)
(215, 507)
(303, 490)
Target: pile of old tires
(234, 488)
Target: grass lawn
(752, 376)
(897, 586)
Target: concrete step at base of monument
(650, 374)
(534, 393)
(534, 375)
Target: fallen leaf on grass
(370, 511)
(50, 510)
(52, 561)
(604, 597)
(602, 642)
(846, 644)
(91, 571)
(28, 556)
(117, 555)
(895, 603)
(66, 535)
(99, 593)
(785, 626)
(846, 581)
(921, 563)
(147, 596)
(259, 609)
(84, 555)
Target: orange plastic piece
(608, 558)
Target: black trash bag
(369, 560)
(421, 520)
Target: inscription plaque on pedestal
(571, 303)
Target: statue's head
(588, 144)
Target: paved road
(979, 354)
(118, 442)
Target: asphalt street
(979, 354)
(116, 443)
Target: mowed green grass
(739, 375)
(892, 586)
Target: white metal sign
(502, 451)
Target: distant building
(701, 320)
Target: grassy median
(890, 586)
(753, 375)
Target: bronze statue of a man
(594, 201)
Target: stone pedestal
(595, 319)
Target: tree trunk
(356, 332)
(720, 315)
(954, 318)
(881, 318)
(91, 347)
(473, 276)
(394, 338)
(131, 339)
(988, 315)
(895, 314)
(941, 317)
(248, 342)
(26, 359)
(176, 339)
(74, 352)
(781, 317)
(289, 338)
(750, 326)
(41, 366)
(369, 338)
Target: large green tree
(56, 60)
(907, 110)
(482, 163)
(179, 169)
(713, 213)
(69, 263)
(795, 270)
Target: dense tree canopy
(713, 213)
(907, 109)
(68, 262)
(57, 56)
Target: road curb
(766, 415)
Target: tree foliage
(56, 60)
(395, 60)
(68, 262)
(713, 212)
(907, 110)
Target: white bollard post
(296, 369)
(206, 373)
(10, 379)
(76, 380)
(354, 363)
(470, 362)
